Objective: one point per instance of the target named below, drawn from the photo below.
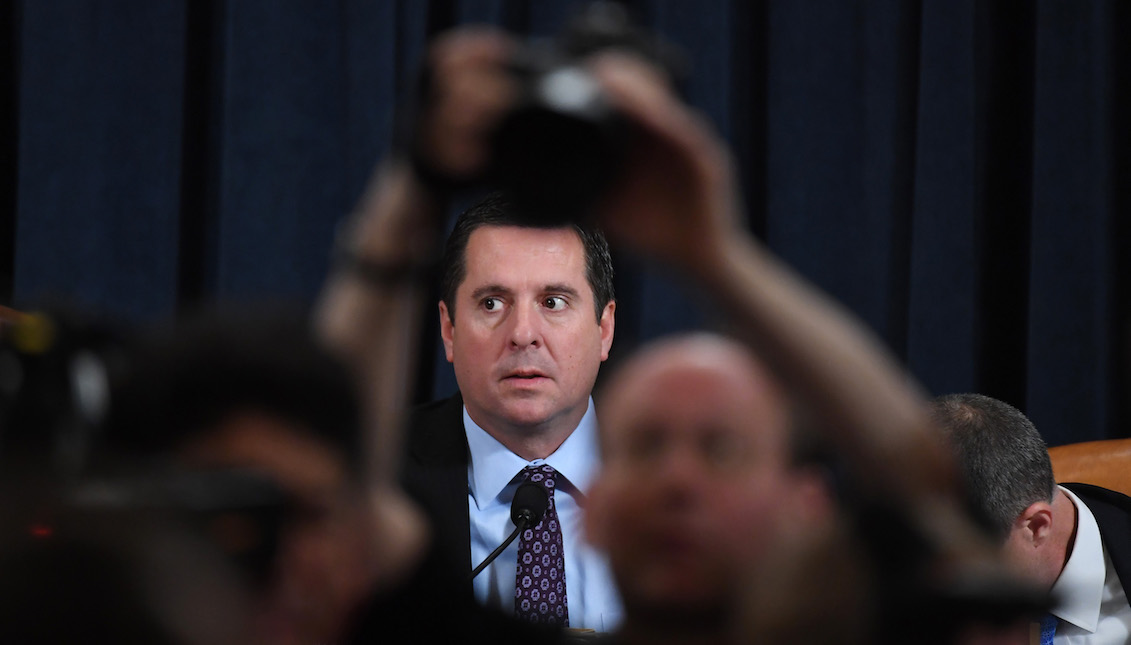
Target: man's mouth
(675, 542)
(526, 375)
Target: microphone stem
(494, 554)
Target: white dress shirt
(1091, 602)
(491, 482)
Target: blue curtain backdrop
(955, 171)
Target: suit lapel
(1112, 511)
(436, 476)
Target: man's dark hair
(496, 210)
(198, 372)
(1002, 457)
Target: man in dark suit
(527, 317)
(1074, 539)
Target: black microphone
(529, 505)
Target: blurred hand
(677, 200)
(468, 91)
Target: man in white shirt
(1073, 539)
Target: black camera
(565, 144)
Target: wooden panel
(1105, 463)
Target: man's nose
(526, 326)
(680, 475)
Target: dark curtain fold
(954, 171)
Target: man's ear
(1034, 524)
(607, 324)
(446, 328)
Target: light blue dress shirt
(491, 481)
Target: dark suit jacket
(1113, 515)
(435, 475)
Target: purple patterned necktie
(539, 590)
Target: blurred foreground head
(252, 390)
(698, 481)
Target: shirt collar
(492, 466)
(1079, 589)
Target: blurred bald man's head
(698, 479)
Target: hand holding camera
(585, 127)
(530, 118)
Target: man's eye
(554, 303)
(723, 450)
(644, 445)
(491, 304)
